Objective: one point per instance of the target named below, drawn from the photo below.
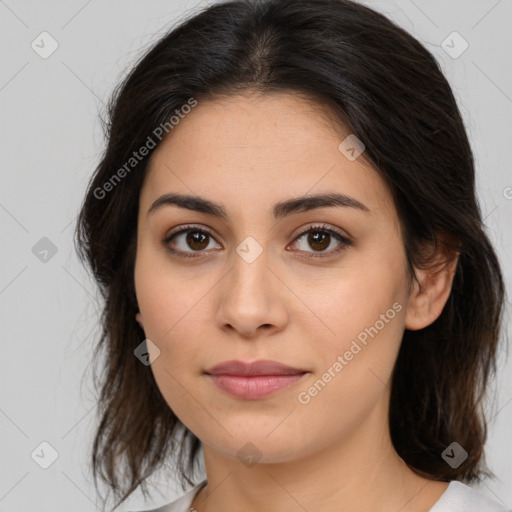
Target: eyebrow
(280, 210)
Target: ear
(138, 317)
(426, 302)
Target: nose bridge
(250, 261)
(250, 297)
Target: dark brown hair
(389, 91)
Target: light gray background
(51, 141)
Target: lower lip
(251, 388)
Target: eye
(321, 238)
(196, 239)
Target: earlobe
(138, 317)
(427, 300)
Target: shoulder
(181, 504)
(458, 497)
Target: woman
(285, 230)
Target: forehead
(255, 149)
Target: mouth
(254, 380)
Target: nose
(253, 299)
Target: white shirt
(458, 497)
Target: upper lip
(264, 367)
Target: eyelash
(320, 228)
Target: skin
(247, 153)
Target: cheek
(354, 366)
(358, 298)
(365, 316)
(164, 296)
(170, 304)
(168, 322)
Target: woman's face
(257, 288)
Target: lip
(254, 368)
(254, 380)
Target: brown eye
(188, 240)
(320, 238)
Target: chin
(259, 443)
